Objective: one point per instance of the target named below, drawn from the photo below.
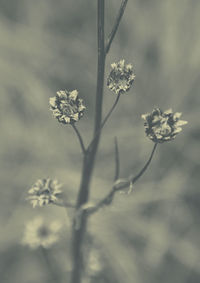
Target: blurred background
(151, 235)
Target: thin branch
(121, 184)
(116, 25)
(110, 111)
(134, 179)
(79, 138)
(64, 204)
(100, 68)
(117, 163)
(105, 201)
(54, 277)
(105, 120)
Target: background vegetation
(151, 235)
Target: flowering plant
(68, 108)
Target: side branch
(116, 25)
(79, 138)
(134, 179)
(100, 70)
(64, 204)
(110, 111)
(105, 120)
(121, 184)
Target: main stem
(89, 156)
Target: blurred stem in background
(90, 154)
(117, 160)
(53, 276)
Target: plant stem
(117, 163)
(79, 137)
(124, 184)
(105, 119)
(89, 157)
(110, 111)
(134, 179)
(54, 277)
(116, 25)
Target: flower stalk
(79, 138)
(105, 120)
(53, 273)
(120, 185)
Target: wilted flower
(121, 77)
(39, 233)
(162, 126)
(67, 107)
(44, 191)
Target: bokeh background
(151, 235)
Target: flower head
(39, 233)
(162, 126)
(121, 77)
(44, 191)
(67, 107)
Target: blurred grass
(153, 234)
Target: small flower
(39, 233)
(162, 126)
(121, 77)
(44, 191)
(67, 107)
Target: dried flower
(121, 77)
(67, 107)
(162, 126)
(44, 191)
(39, 233)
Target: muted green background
(152, 235)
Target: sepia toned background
(151, 235)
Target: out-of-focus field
(152, 235)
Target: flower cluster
(162, 126)
(67, 107)
(39, 233)
(121, 77)
(44, 191)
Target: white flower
(39, 233)
(44, 191)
